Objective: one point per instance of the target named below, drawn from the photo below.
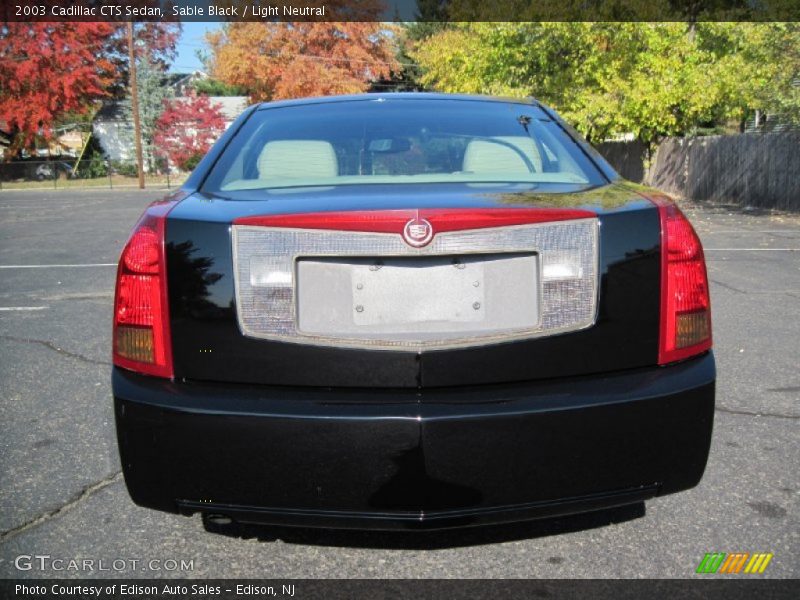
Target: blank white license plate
(419, 298)
(399, 293)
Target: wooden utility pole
(137, 126)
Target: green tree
(765, 70)
(688, 11)
(212, 87)
(153, 92)
(646, 79)
(429, 20)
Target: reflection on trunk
(189, 279)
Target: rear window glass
(399, 141)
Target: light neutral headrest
(297, 159)
(484, 156)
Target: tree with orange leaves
(273, 61)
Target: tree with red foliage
(48, 70)
(187, 129)
(52, 70)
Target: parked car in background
(35, 169)
(52, 169)
(409, 311)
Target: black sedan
(409, 311)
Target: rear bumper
(402, 459)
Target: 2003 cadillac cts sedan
(400, 311)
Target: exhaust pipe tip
(217, 520)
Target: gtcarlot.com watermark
(46, 562)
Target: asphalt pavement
(62, 494)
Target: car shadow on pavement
(432, 540)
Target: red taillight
(685, 303)
(141, 317)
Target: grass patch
(173, 181)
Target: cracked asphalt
(61, 492)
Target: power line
(313, 57)
(348, 60)
(304, 55)
(15, 58)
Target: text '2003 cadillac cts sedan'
(407, 311)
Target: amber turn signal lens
(692, 328)
(135, 343)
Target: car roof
(394, 96)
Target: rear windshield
(386, 141)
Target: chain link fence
(63, 173)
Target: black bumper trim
(441, 457)
(390, 521)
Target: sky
(192, 39)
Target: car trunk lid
(484, 289)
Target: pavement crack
(54, 348)
(732, 411)
(725, 285)
(84, 494)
